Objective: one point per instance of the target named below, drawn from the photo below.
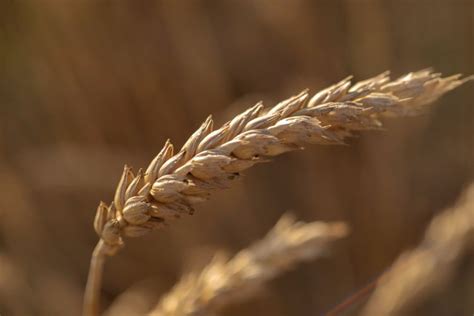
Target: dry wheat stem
(224, 281)
(94, 280)
(211, 159)
(417, 274)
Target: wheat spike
(211, 159)
(417, 274)
(225, 280)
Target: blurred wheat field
(86, 86)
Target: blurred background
(87, 86)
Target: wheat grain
(417, 274)
(224, 281)
(211, 159)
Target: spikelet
(100, 218)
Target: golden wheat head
(210, 159)
(225, 280)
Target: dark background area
(87, 86)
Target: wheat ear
(417, 274)
(224, 281)
(211, 159)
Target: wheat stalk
(417, 274)
(223, 280)
(211, 159)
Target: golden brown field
(88, 86)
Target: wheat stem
(94, 280)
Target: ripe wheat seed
(227, 280)
(211, 159)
